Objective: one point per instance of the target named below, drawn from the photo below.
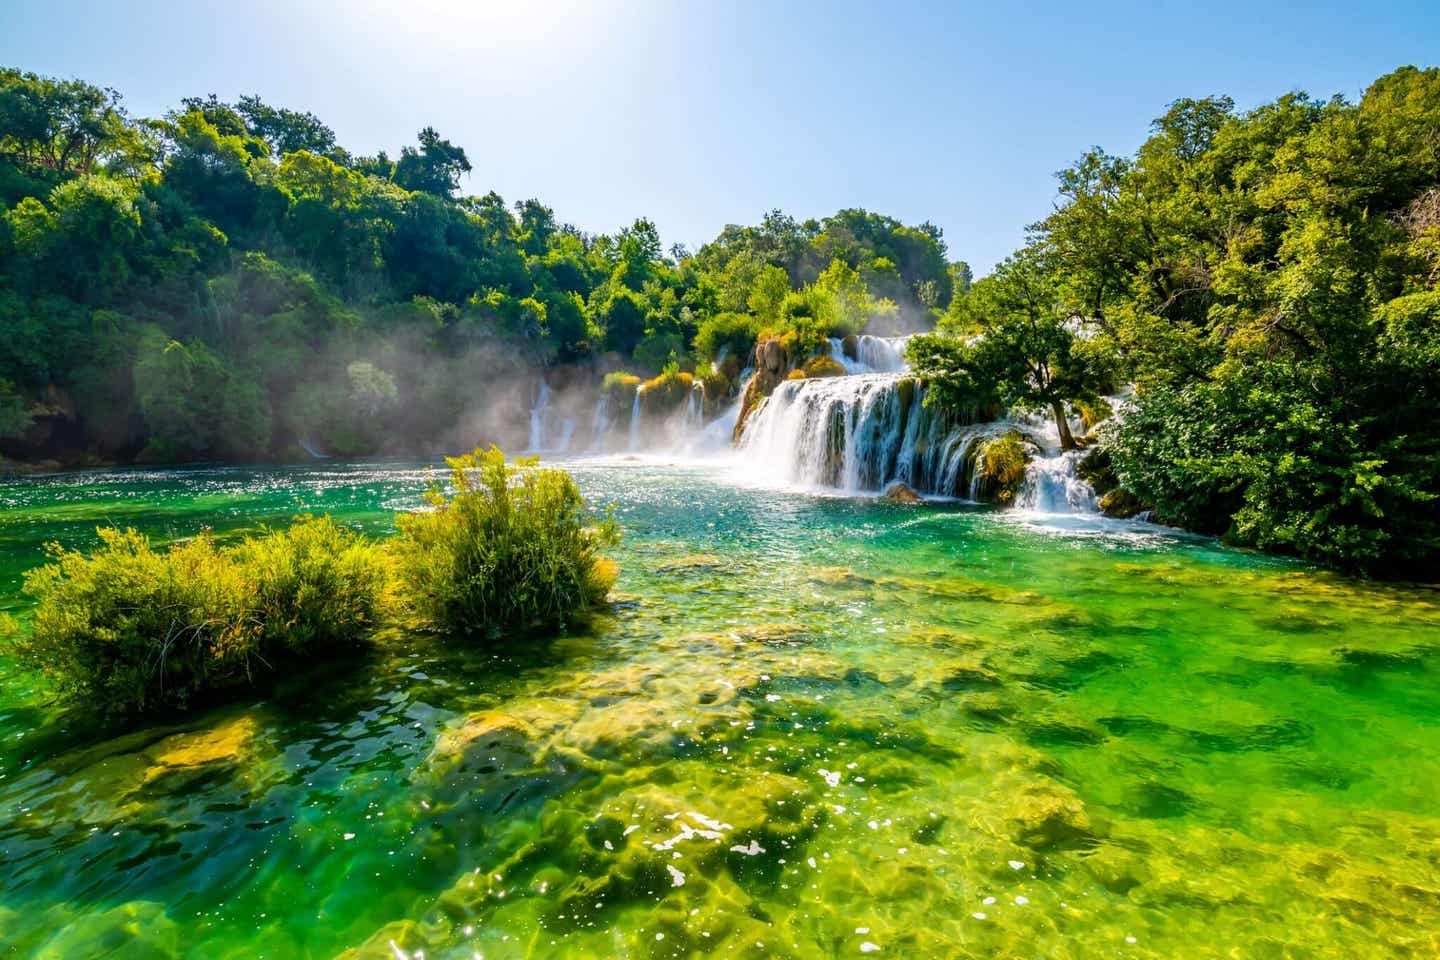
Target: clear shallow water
(811, 726)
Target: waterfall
(600, 424)
(540, 421)
(635, 419)
(1052, 485)
(539, 407)
(858, 434)
(872, 354)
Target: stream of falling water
(855, 434)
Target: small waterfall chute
(635, 419)
(1053, 485)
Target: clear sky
(697, 114)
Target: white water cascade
(542, 438)
(863, 431)
(635, 419)
(1052, 485)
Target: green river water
(809, 727)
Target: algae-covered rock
(771, 364)
(139, 929)
(226, 743)
(1122, 504)
(1046, 816)
(901, 492)
(402, 938)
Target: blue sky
(700, 114)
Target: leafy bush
(730, 334)
(130, 628)
(511, 549)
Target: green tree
(1018, 347)
(434, 168)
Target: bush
(731, 334)
(131, 628)
(512, 549)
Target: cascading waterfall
(863, 431)
(541, 416)
(1052, 485)
(539, 407)
(872, 354)
(635, 419)
(858, 434)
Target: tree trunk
(1067, 442)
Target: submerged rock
(186, 751)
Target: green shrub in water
(512, 548)
(132, 628)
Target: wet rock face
(772, 365)
(901, 492)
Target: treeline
(1267, 281)
(228, 282)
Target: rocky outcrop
(901, 492)
(772, 364)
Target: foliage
(1017, 346)
(14, 411)
(667, 391)
(237, 249)
(823, 367)
(510, 550)
(134, 628)
(619, 383)
(1267, 281)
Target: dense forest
(227, 282)
(1255, 292)
(1267, 282)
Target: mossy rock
(1045, 816)
(1000, 464)
(138, 929)
(823, 367)
(1121, 503)
(796, 374)
(666, 393)
(619, 384)
(901, 492)
(1095, 469)
(225, 742)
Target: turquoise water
(808, 727)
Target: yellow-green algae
(808, 727)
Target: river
(810, 726)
